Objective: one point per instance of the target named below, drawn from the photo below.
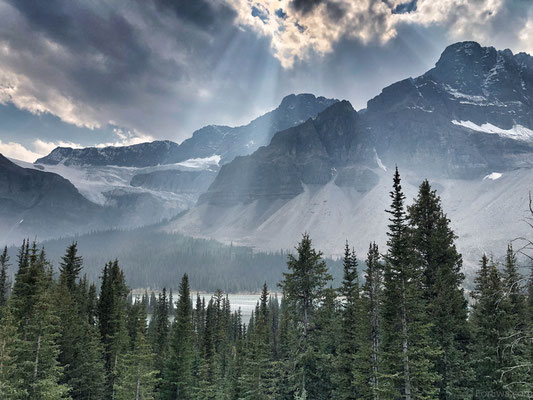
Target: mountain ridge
(227, 142)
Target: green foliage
(136, 372)
(4, 284)
(436, 255)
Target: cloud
(525, 36)
(17, 151)
(126, 138)
(138, 64)
(43, 148)
(163, 68)
(304, 27)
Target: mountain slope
(38, 203)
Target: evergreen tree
(70, 267)
(529, 328)
(159, 329)
(178, 377)
(435, 254)
(4, 285)
(304, 289)
(258, 379)
(488, 328)
(8, 340)
(515, 355)
(407, 348)
(137, 375)
(346, 382)
(370, 358)
(111, 312)
(37, 373)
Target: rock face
(213, 139)
(38, 203)
(311, 153)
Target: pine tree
(70, 267)
(178, 376)
(8, 340)
(435, 254)
(515, 340)
(137, 375)
(370, 358)
(4, 287)
(111, 312)
(488, 327)
(159, 330)
(407, 349)
(350, 322)
(529, 328)
(37, 373)
(30, 272)
(258, 376)
(304, 289)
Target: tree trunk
(138, 386)
(375, 341)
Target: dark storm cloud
(104, 49)
(203, 13)
(118, 61)
(305, 6)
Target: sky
(119, 72)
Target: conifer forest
(405, 328)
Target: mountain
(137, 155)
(312, 153)
(33, 203)
(467, 117)
(211, 140)
(465, 124)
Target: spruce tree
(137, 375)
(515, 341)
(37, 373)
(111, 311)
(70, 267)
(4, 286)
(407, 348)
(258, 379)
(304, 288)
(488, 328)
(8, 340)
(178, 376)
(435, 254)
(370, 358)
(159, 329)
(346, 384)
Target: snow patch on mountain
(201, 163)
(493, 176)
(380, 163)
(517, 132)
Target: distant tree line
(405, 331)
(164, 257)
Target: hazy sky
(98, 72)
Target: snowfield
(517, 132)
